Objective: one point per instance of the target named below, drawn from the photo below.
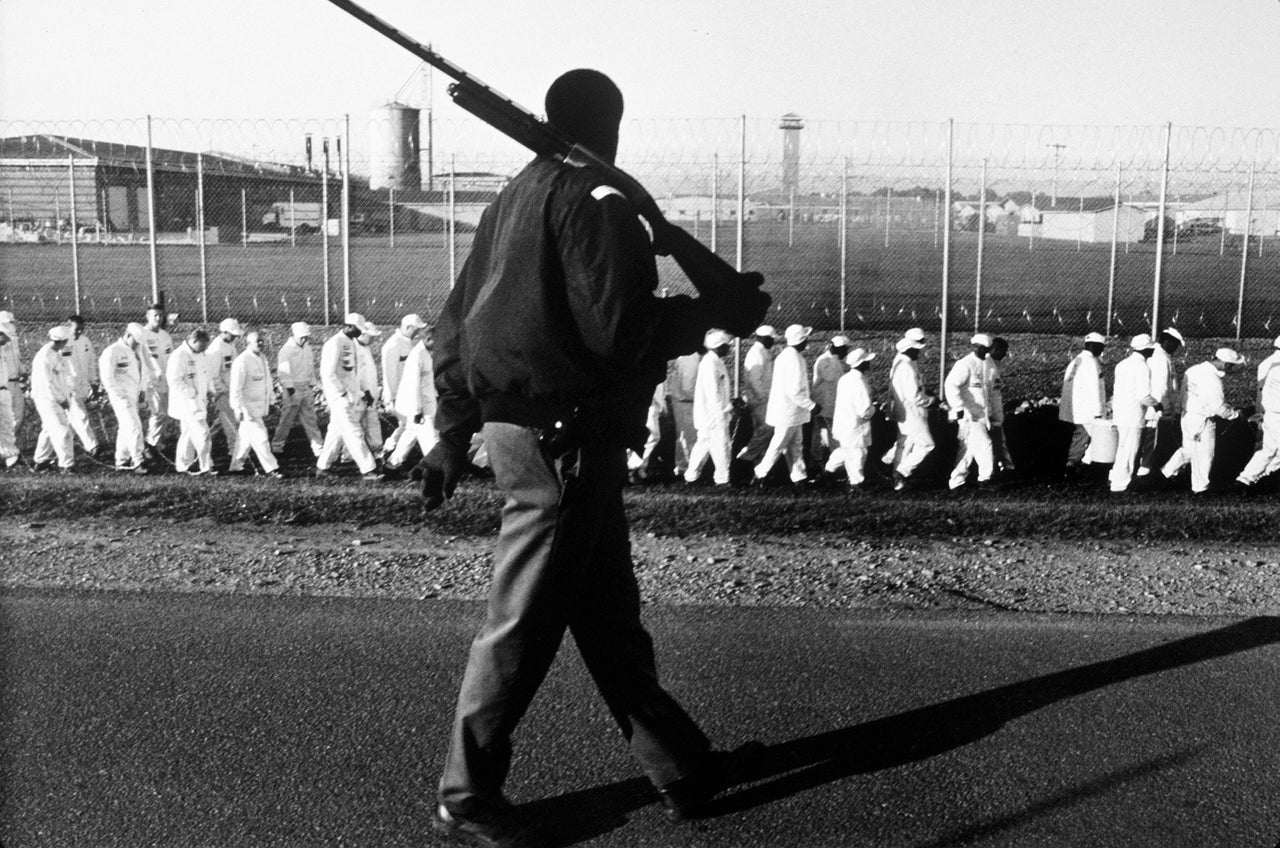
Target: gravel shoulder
(906, 575)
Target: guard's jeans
(1267, 458)
(563, 562)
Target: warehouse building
(37, 173)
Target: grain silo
(394, 147)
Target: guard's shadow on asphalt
(792, 767)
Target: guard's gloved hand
(441, 469)
(290, 392)
(419, 418)
(368, 399)
(740, 311)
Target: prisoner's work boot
(497, 827)
(689, 796)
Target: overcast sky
(1192, 62)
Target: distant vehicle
(305, 217)
(1200, 227)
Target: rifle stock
(710, 274)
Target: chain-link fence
(856, 225)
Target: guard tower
(791, 125)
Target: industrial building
(110, 179)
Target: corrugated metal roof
(58, 148)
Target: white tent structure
(1094, 227)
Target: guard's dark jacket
(554, 314)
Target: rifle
(711, 276)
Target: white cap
(716, 338)
(1142, 341)
(60, 333)
(369, 328)
(839, 341)
(300, 329)
(1096, 338)
(137, 331)
(355, 319)
(1172, 331)
(6, 317)
(797, 333)
(905, 344)
(857, 356)
(230, 325)
(7, 328)
(767, 330)
(915, 334)
(981, 339)
(1229, 356)
(1276, 343)
(412, 321)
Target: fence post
(344, 157)
(843, 241)
(200, 239)
(1244, 249)
(453, 246)
(741, 245)
(244, 217)
(75, 235)
(946, 258)
(293, 218)
(982, 241)
(1164, 196)
(324, 229)
(1115, 235)
(715, 199)
(151, 219)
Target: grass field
(1049, 287)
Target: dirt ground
(1034, 576)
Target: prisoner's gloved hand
(419, 418)
(442, 468)
(289, 391)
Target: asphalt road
(202, 720)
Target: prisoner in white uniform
(11, 353)
(966, 393)
(828, 368)
(371, 422)
(1161, 426)
(340, 380)
(995, 403)
(188, 378)
(757, 376)
(120, 371)
(296, 371)
(1132, 396)
(416, 401)
(83, 363)
(1266, 460)
(1202, 401)
(851, 418)
(712, 409)
(156, 349)
(251, 393)
(8, 437)
(395, 351)
(638, 463)
(789, 407)
(910, 411)
(51, 394)
(218, 357)
(682, 377)
(1084, 399)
